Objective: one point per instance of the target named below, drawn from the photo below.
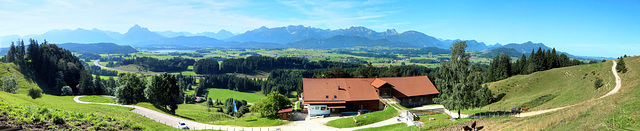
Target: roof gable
(412, 86)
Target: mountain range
(263, 37)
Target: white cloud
(194, 16)
(340, 14)
(36, 17)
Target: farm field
(311, 54)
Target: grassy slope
(67, 103)
(570, 84)
(615, 112)
(224, 94)
(10, 69)
(97, 99)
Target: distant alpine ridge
(263, 37)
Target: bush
(57, 119)
(66, 91)
(9, 84)
(35, 93)
(598, 83)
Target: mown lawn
(224, 94)
(200, 113)
(392, 127)
(97, 99)
(187, 73)
(372, 118)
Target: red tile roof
(285, 110)
(412, 86)
(339, 90)
(378, 83)
(346, 89)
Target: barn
(325, 96)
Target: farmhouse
(324, 96)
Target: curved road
(308, 125)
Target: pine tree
(99, 86)
(10, 57)
(621, 67)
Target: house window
(327, 96)
(323, 108)
(334, 96)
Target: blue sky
(580, 27)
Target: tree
(86, 86)
(206, 66)
(457, 82)
(35, 93)
(270, 105)
(99, 86)
(66, 91)
(209, 102)
(9, 84)
(367, 71)
(486, 96)
(10, 57)
(621, 67)
(598, 83)
(239, 104)
(110, 85)
(131, 89)
(163, 91)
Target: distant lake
(166, 51)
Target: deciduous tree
(163, 91)
(458, 84)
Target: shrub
(598, 83)
(57, 120)
(35, 93)
(66, 91)
(9, 84)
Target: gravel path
(615, 90)
(533, 113)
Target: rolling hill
(499, 51)
(75, 115)
(569, 85)
(345, 42)
(615, 112)
(100, 48)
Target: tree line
(61, 71)
(502, 67)
(264, 63)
